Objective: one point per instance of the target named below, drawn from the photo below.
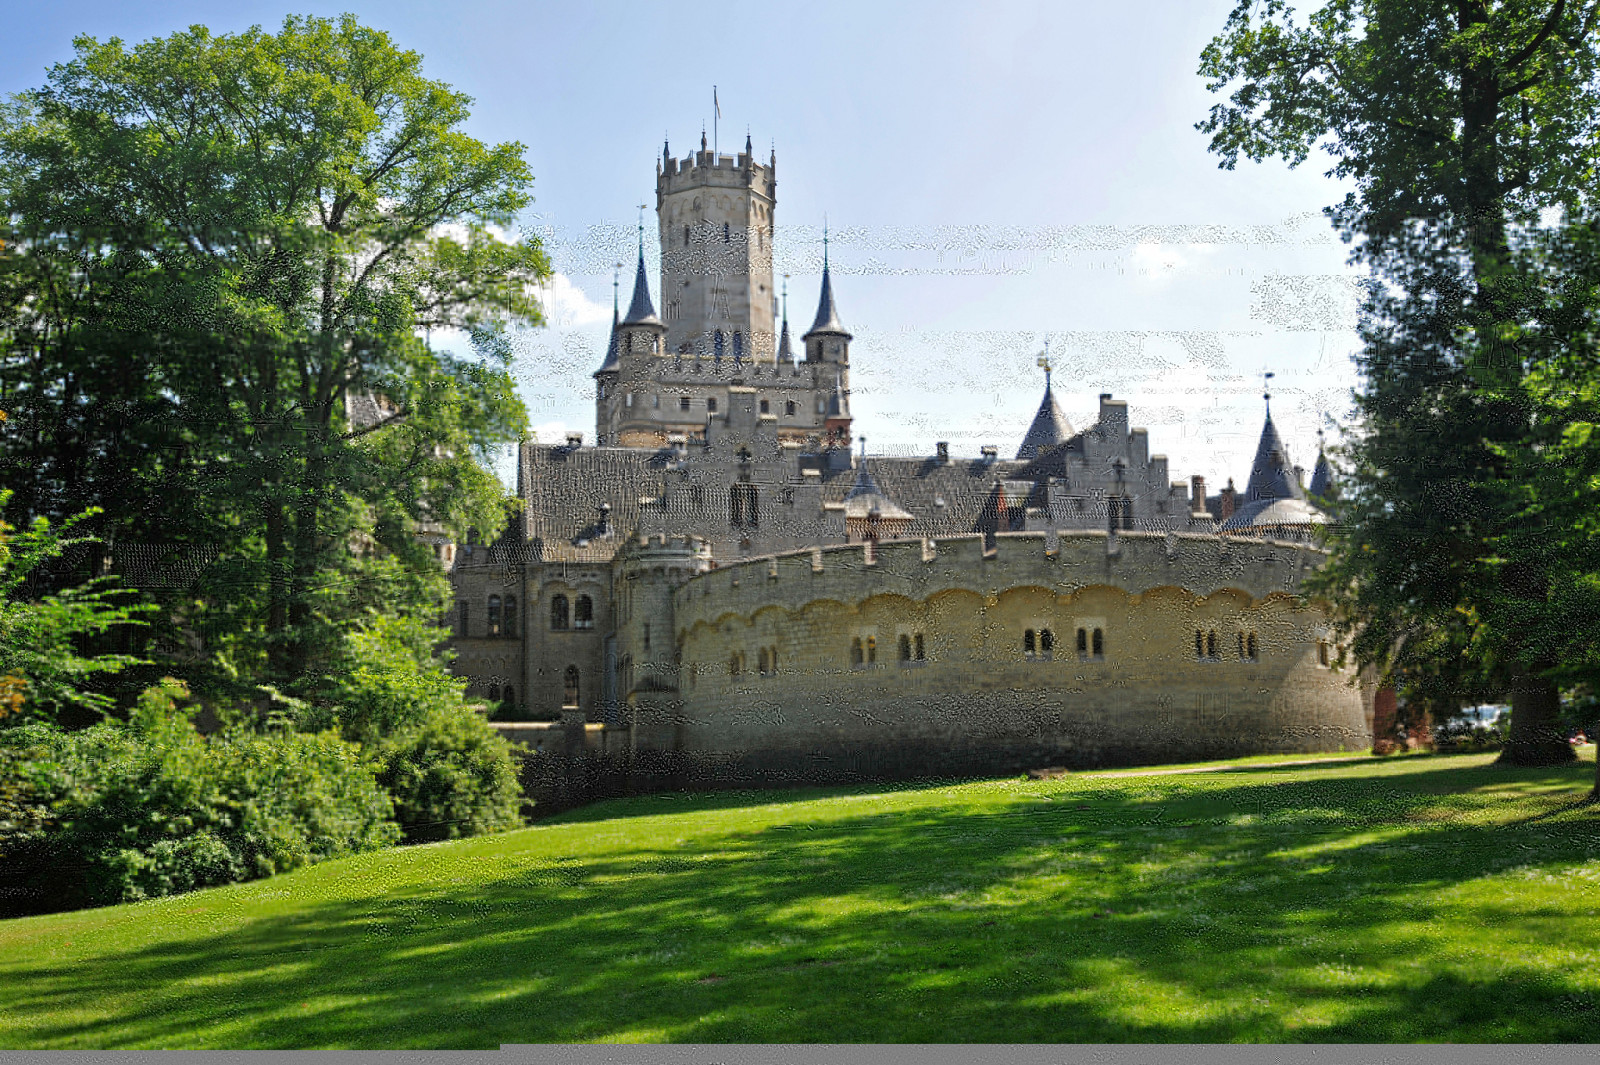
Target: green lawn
(1418, 898)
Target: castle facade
(731, 593)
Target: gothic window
(905, 649)
(920, 656)
(558, 613)
(738, 345)
(1027, 643)
(461, 618)
(857, 657)
(683, 402)
(1099, 643)
(716, 344)
(511, 615)
(788, 408)
(1047, 642)
(494, 615)
(583, 615)
(569, 689)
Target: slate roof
(1050, 428)
(1321, 477)
(641, 311)
(865, 498)
(827, 320)
(1271, 473)
(611, 363)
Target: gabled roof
(641, 311)
(1271, 473)
(1050, 429)
(827, 320)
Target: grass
(1411, 899)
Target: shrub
(451, 775)
(116, 813)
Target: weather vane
(1266, 392)
(1044, 363)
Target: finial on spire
(786, 297)
(824, 243)
(616, 280)
(702, 137)
(641, 227)
(1266, 393)
(863, 446)
(666, 151)
(748, 150)
(1044, 363)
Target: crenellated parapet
(1062, 562)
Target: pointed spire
(702, 138)
(839, 400)
(611, 363)
(749, 150)
(785, 352)
(827, 320)
(641, 311)
(666, 152)
(1050, 427)
(1322, 476)
(1271, 473)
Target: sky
(994, 177)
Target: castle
(722, 589)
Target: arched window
(738, 345)
(905, 648)
(569, 689)
(788, 408)
(583, 614)
(716, 344)
(1047, 642)
(494, 693)
(733, 665)
(772, 658)
(1027, 643)
(872, 649)
(1099, 643)
(856, 655)
(724, 232)
(1199, 644)
(558, 613)
(1250, 646)
(1083, 641)
(1211, 644)
(763, 662)
(494, 615)
(920, 656)
(510, 619)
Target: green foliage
(117, 813)
(42, 673)
(222, 252)
(451, 775)
(1455, 568)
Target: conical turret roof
(827, 320)
(611, 363)
(641, 311)
(1050, 428)
(785, 352)
(1272, 474)
(1321, 477)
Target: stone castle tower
(667, 378)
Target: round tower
(716, 219)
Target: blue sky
(993, 175)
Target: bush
(450, 776)
(117, 813)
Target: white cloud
(567, 306)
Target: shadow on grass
(1058, 913)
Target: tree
(222, 255)
(1462, 127)
(43, 675)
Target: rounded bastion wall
(794, 666)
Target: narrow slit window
(1099, 643)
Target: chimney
(603, 526)
(1229, 494)
(1197, 494)
(574, 439)
(989, 452)
(943, 447)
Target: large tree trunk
(1536, 737)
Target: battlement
(703, 169)
(1066, 560)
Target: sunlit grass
(1415, 898)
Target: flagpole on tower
(716, 116)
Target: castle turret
(827, 340)
(1050, 427)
